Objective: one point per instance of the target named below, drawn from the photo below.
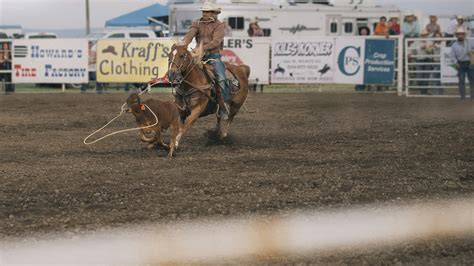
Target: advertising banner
(50, 61)
(128, 60)
(303, 61)
(379, 62)
(449, 73)
(350, 61)
(254, 52)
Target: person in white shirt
(457, 23)
(461, 52)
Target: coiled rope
(123, 130)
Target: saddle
(231, 78)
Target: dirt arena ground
(297, 151)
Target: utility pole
(88, 27)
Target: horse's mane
(197, 53)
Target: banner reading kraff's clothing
(132, 60)
(50, 61)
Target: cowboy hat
(460, 31)
(208, 6)
(460, 17)
(253, 20)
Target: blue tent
(140, 17)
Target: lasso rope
(123, 130)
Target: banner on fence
(254, 52)
(132, 60)
(350, 61)
(334, 60)
(303, 61)
(449, 73)
(50, 61)
(379, 62)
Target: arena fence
(428, 69)
(422, 67)
(296, 234)
(254, 53)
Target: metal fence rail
(422, 64)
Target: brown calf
(168, 117)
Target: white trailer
(281, 19)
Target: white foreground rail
(296, 234)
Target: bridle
(188, 69)
(178, 67)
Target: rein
(199, 88)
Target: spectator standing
(254, 29)
(433, 27)
(394, 26)
(382, 27)
(461, 23)
(461, 54)
(451, 27)
(363, 31)
(436, 51)
(423, 56)
(411, 27)
(92, 68)
(6, 64)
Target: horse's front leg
(188, 123)
(218, 129)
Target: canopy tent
(154, 15)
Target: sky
(70, 14)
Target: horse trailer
(282, 19)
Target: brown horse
(194, 94)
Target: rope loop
(122, 110)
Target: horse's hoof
(166, 147)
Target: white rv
(291, 18)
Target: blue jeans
(465, 69)
(219, 72)
(437, 90)
(423, 83)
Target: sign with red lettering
(254, 52)
(50, 61)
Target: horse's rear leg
(188, 123)
(226, 127)
(174, 130)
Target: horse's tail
(246, 70)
